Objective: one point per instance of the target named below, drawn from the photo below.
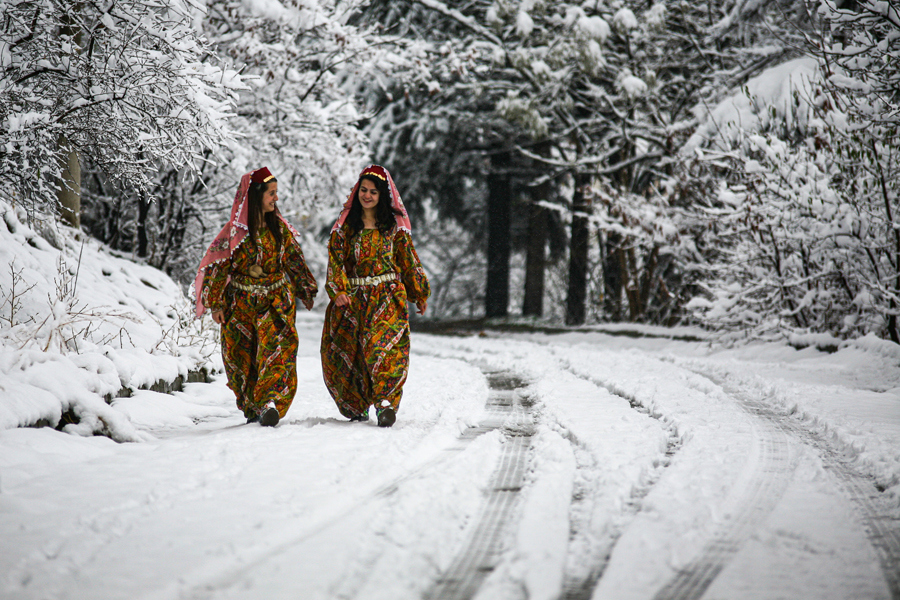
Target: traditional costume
(365, 346)
(255, 285)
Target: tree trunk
(612, 275)
(69, 193)
(496, 299)
(578, 255)
(142, 237)
(647, 279)
(535, 254)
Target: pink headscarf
(231, 236)
(400, 214)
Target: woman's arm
(411, 272)
(305, 286)
(337, 285)
(212, 293)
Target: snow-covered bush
(791, 250)
(806, 217)
(645, 245)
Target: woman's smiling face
(368, 194)
(270, 197)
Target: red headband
(262, 175)
(375, 171)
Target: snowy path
(521, 467)
(871, 508)
(479, 555)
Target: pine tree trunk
(496, 299)
(142, 237)
(612, 276)
(535, 255)
(578, 255)
(536, 245)
(69, 193)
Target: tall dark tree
(578, 253)
(496, 301)
(536, 253)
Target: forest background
(730, 163)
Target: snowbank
(79, 327)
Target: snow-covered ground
(585, 464)
(78, 324)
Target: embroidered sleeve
(305, 287)
(337, 254)
(214, 282)
(411, 272)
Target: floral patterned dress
(365, 346)
(259, 337)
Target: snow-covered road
(531, 466)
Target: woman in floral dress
(373, 271)
(249, 278)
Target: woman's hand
(421, 305)
(342, 300)
(219, 316)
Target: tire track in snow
(580, 578)
(774, 462)
(479, 556)
(880, 519)
(879, 516)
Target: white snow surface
(642, 451)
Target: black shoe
(269, 417)
(253, 419)
(362, 417)
(386, 417)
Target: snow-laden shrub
(807, 237)
(644, 245)
(797, 252)
(805, 221)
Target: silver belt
(260, 289)
(358, 281)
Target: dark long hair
(384, 212)
(255, 213)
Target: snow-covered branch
(459, 17)
(128, 86)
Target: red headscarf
(233, 234)
(400, 214)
